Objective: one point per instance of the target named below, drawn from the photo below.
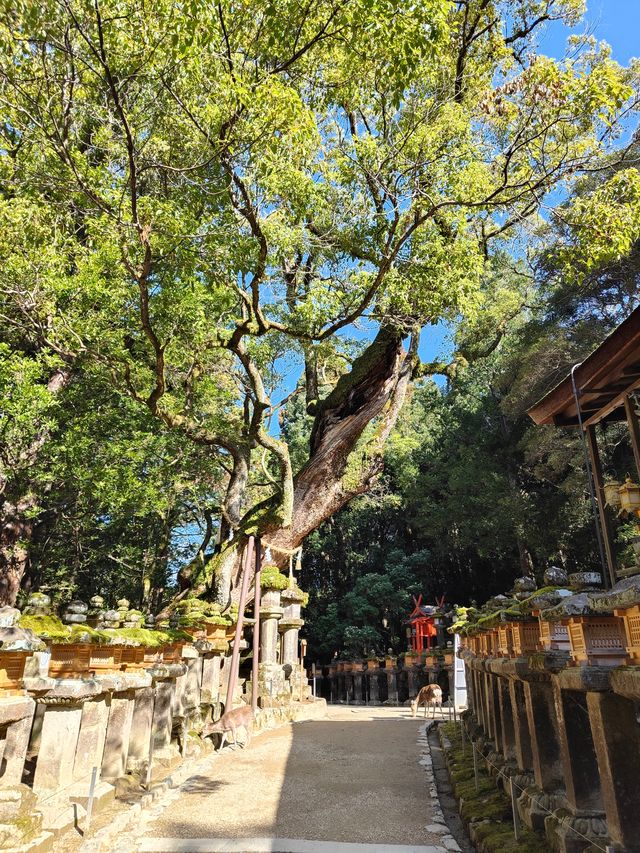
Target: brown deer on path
(431, 695)
(230, 721)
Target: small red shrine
(421, 624)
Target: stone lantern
(271, 681)
(630, 497)
(292, 599)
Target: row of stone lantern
(93, 639)
(392, 681)
(84, 695)
(576, 622)
(553, 685)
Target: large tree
(228, 188)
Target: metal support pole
(303, 652)
(147, 778)
(92, 793)
(634, 430)
(598, 480)
(235, 654)
(514, 809)
(475, 764)
(256, 627)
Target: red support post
(256, 627)
(235, 654)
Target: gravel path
(353, 777)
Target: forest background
(212, 312)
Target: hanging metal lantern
(629, 496)
(612, 493)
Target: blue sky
(614, 21)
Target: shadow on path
(353, 778)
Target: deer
(230, 721)
(431, 695)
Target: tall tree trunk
(345, 460)
(17, 513)
(345, 457)
(15, 534)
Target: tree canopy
(197, 201)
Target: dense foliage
(198, 201)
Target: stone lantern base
(272, 686)
(297, 682)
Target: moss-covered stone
(54, 631)
(533, 601)
(492, 620)
(487, 810)
(272, 578)
(194, 611)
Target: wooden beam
(634, 430)
(613, 417)
(607, 536)
(617, 354)
(611, 389)
(612, 404)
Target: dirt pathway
(350, 782)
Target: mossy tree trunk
(346, 455)
(16, 529)
(18, 505)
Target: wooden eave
(603, 380)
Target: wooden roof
(603, 380)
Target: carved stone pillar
(616, 740)
(141, 723)
(292, 598)
(58, 740)
(116, 745)
(164, 683)
(522, 736)
(373, 676)
(210, 688)
(289, 626)
(581, 777)
(271, 612)
(271, 681)
(392, 685)
(16, 716)
(91, 737)
(545, 756)
(543, 727)
(508, 736)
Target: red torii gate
(422, 623)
